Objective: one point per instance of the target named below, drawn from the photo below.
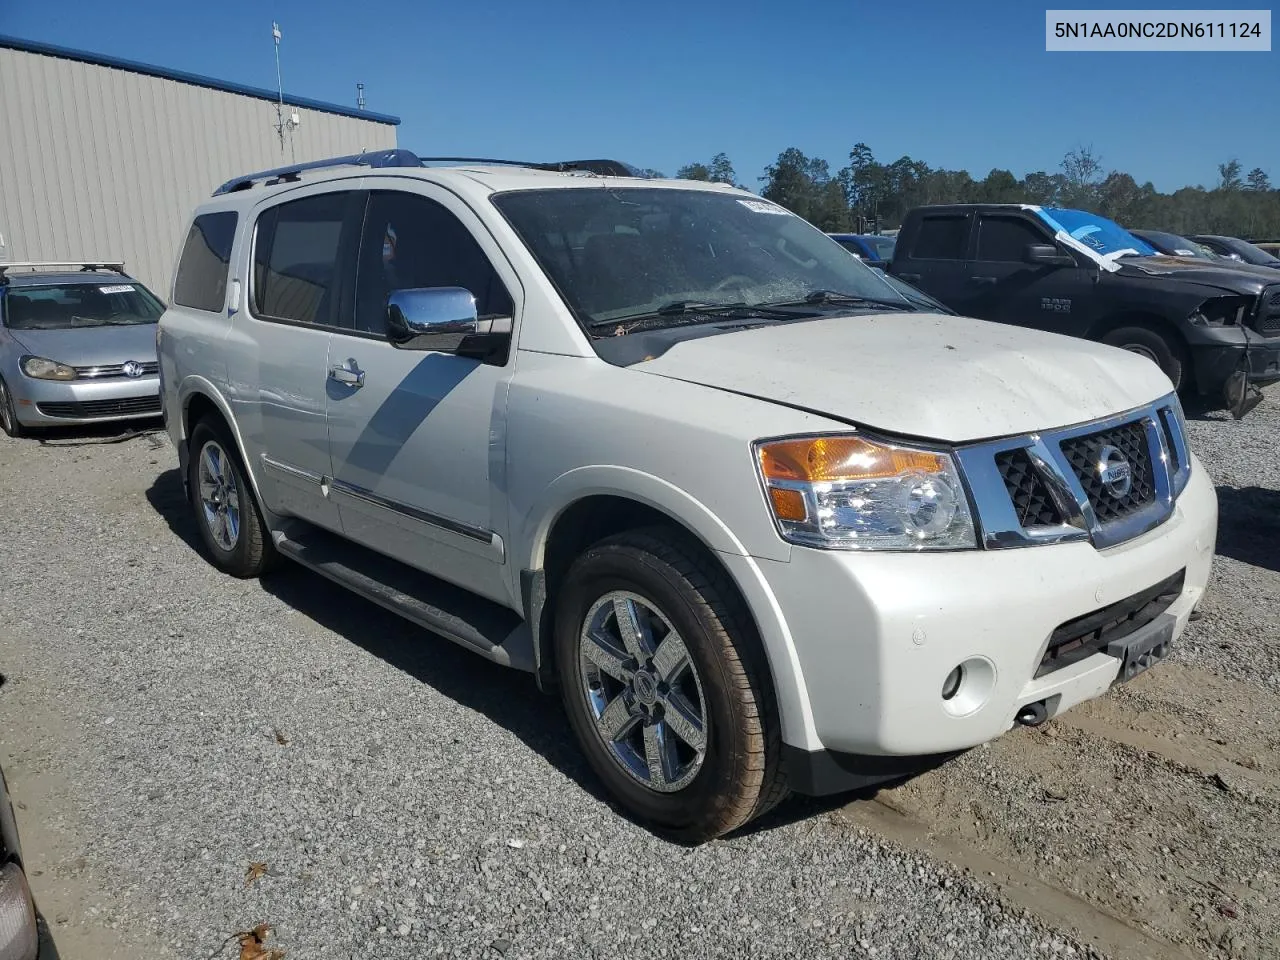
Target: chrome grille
(1027, 489)
(1085, 455)
(93, 409)
(1051, 487)
(107, 371)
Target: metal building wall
(97, 161)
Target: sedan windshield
(1247, 252)
(1174, 245)
(635, 258)
(1104, 238)
(73, 305)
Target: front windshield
(1180, 246)
(658, 256)
(74, 305)
(1104, 238)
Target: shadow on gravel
(506, 697)
(94, 434)
(1249, 525)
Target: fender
(191, 386)
(798, 728)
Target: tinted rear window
(202, 272)
(942, 238)
(296, 258)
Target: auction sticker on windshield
(119, 288)
(763, 206)
(1157, 30)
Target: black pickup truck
(1211, 327)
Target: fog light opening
(968, 686)
(951, 685)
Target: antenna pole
(275, 35)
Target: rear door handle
(347, 374)
(986, 280)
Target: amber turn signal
(810, 459)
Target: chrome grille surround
(999, 520)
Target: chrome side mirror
(431, 318)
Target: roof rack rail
(116, 266)
(404, 158)
(604, 168)
(375, 160)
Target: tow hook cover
(1143, 647)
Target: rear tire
(709, 686)
(8, 416)
(1165, 351)
(227, 514)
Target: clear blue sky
(965, 86)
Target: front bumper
(876, 635)
(1214, 360)
(50, 403)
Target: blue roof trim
(66, 53)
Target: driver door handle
(986, 280)
(347, 374)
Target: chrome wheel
(643, 691)
(219, 495)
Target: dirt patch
(1148, 821)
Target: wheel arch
(201, 399)
(576, 514)
(1152, 321)
(1138, 318)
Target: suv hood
(1242, 278)
(922, 375)
(91, 346)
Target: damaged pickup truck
(1212, 328)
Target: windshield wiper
(678, 309)
(836, 298)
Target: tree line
(867, 194)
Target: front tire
(231, 526)
(666, 686)
(1164, 351)
(8, 415)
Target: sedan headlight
(851, 493)
(43, 369)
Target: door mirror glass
(431, 318)
(1046, 254)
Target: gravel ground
(166, 727)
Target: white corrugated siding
(101, 162)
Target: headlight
(1223, 312)
(43, 369)
(851, 493)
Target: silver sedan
(75, 347)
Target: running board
(480, 625)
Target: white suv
(764, 522)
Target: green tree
(1229, 175)
(1083, 171)
(694, 171)
(805, 187)
(1257, 180)
(719, 170)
